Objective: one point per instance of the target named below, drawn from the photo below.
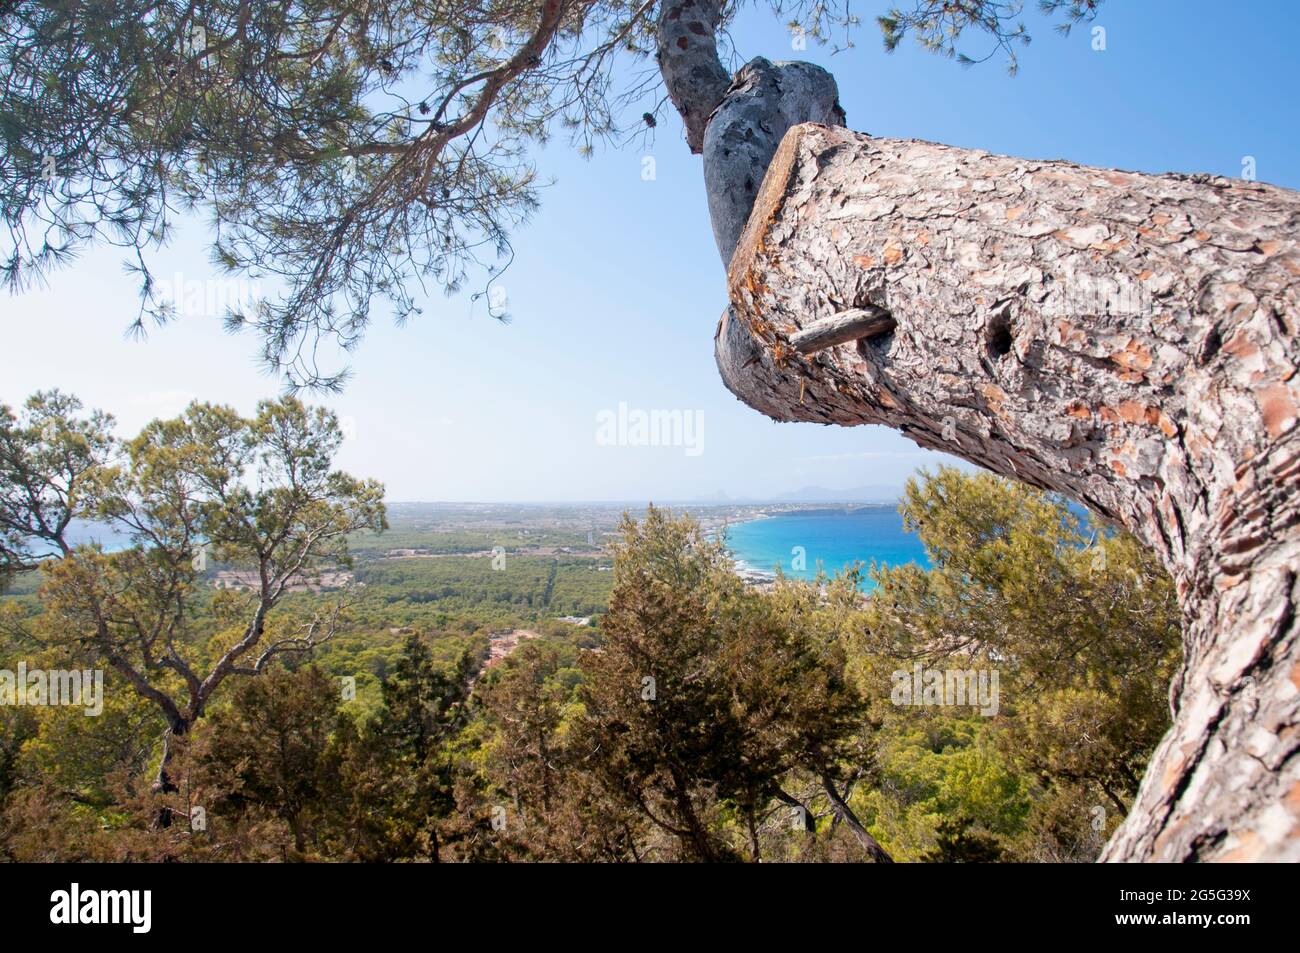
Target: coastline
(824, 537)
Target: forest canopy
(695, 718)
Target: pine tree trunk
(1128, 340)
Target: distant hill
(880, 493)
(813, 494)
(857, 494)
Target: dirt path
(506, 642)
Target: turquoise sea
(832, 537)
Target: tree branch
(688, 60)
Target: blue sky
(616, 286)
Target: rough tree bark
(737, 123)
(1128, 340)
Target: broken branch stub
(856, 324)
(1128, 340)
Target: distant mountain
(811, 494)
(875, 493)
(720, 496)
(857, 494)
